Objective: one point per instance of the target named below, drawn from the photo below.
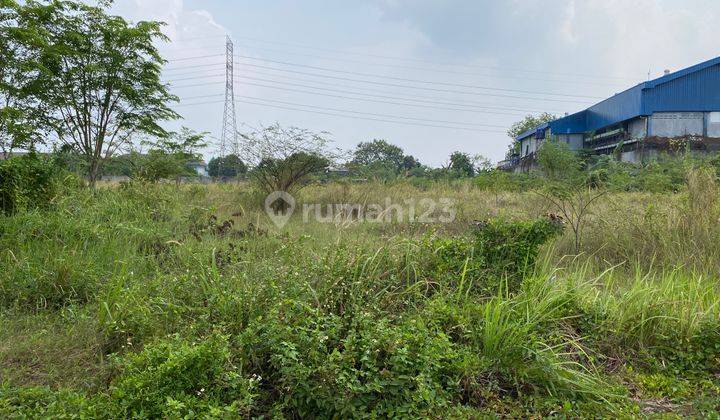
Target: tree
(482, 164)
(381, 159)
(410, 162)
(228, 166)
(528, 123)
(461, 165)
(566, 187)
(100, 78)
(378, 152)
(168, 158)
(559, 163)
(17, 107)
(284, 158)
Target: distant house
(338, 171)
(199, 166)
(639, 122)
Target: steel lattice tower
(229, 129)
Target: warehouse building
(676, 111)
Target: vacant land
(156, 300)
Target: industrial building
(677, 110)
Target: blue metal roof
(696, 88)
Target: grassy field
(165, 301)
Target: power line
(387, 84)
(617, 79)
(201, 97)
(422, 99)
(412, 68)
(195, 38)
(178, 49)
(200, 73)
(411, 87)
(444, 71)
(197, 77)
(195, 58)
(596, 76)
(194, 67)
(480, 110)
(346, 116)
(476, 110)
(371, 113)
(425, 82)
(197, 85)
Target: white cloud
(181, 23)
(536, 45)
(192, 33)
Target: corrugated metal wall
(699, 91)
(621, 107)
(695, 89)
(574, 123)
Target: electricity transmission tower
(229, 129)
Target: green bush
(510, 248)
(36, 403)
(498, 250)
(328, 366)
(26, 182)
(501, 181)
(178, 379)
(662, 174)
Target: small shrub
(175, 379)
(328, 366)
(35, 403)
(26, 182)
(694, 356)
(499, 250)
(511, 248)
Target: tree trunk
(93, 172)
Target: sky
(431, 76)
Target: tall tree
(379, 158)
(100, 78)
(461, 165)
(17, 128)
(378, 152)
(527, 123)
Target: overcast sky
(430, 76)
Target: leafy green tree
(168, 158)
(410, 162)
(527, 123)
(100, 78)
(559, 163)
(228, 166)
(18, 109)
(381, 159)
(284, 158)
(461, 165)
(378, 152)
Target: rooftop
(696, 88)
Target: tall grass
(353, 319)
